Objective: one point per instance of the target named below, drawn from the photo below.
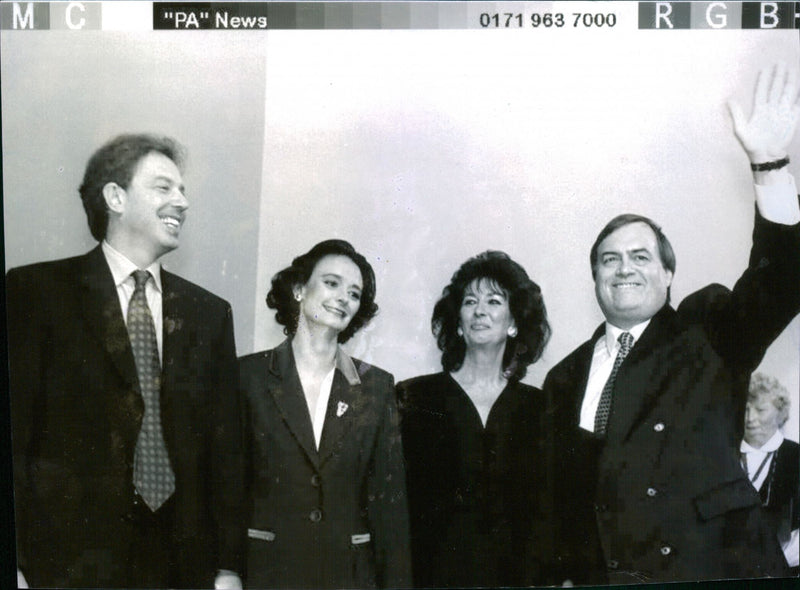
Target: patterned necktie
(152, 474)
(604, 407)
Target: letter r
(663, 10)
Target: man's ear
(669, 278)
(115, 197)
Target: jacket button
(652, 492)
(659, 427)
(666, 550)
(315, 515)
(612, 564)
(316, 480)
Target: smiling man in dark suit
(124, 404)
(646, 416)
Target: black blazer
(664, 494)
(333, 518)
(780, 492)
(76, 412)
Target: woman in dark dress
(473, 469)
(326, 483)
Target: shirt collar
(771, 445)
(346, 365)
(612, 334)
(121, 267)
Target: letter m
(20, 20)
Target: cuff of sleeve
(791, 549)
(227, 579)
(778, 202)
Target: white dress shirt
(755, 458)
(778, 202)
(318, 419)
(121, 268)
(345, 364)
(605, 352)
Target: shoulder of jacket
(577, 355)
(791, 447)
(419, 381)
(697, 305)
(47, 267)
(44, 279)
(365, 369)
(180, 284)
(256, 357)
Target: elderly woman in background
(328, 502)
(772, 462)
(470, 433)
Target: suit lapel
(176, 343)
(103, 314)
(637, 386)
(179, 329)
(283, 384)
(342, 408)
(581, 373)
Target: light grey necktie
(152, 474)
(604, 407)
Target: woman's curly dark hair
(281, 295)
(525, 302)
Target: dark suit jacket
(306, 506)
(664, 495)
(780, 492)
(76, 412)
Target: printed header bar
(533, 16)
(466, 15)
(314, 15)
(719, 15)
(211, 15)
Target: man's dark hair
(116, 161)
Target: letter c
(72, 24)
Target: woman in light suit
(326, 480)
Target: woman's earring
(459, 331)
(512, 331)
(297, 297)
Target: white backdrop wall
(422, 148)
